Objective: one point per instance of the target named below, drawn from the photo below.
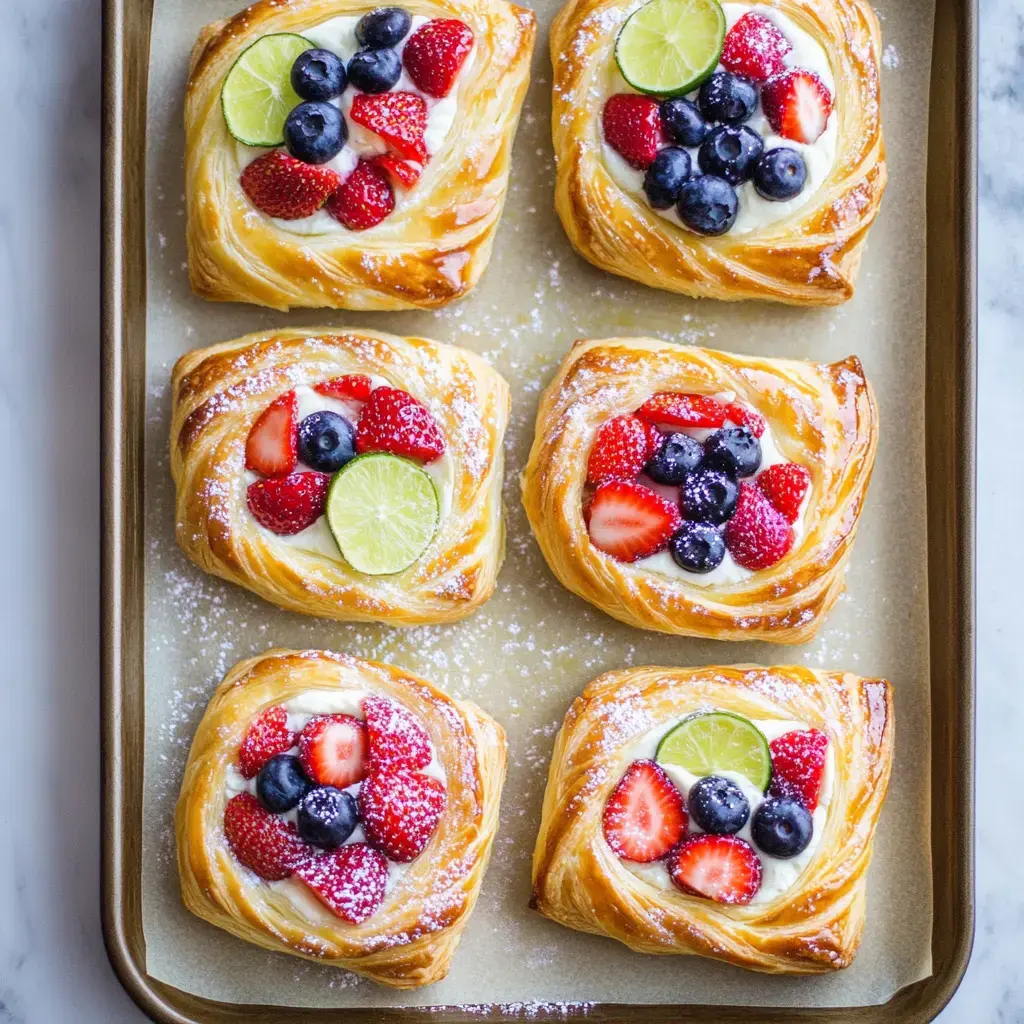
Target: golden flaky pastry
(820, 416)
(815, 924)
(809, 256)
(430, 250)
(410, 939)
(219, 392)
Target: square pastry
(351, 157)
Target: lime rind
(712, 742)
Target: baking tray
(949, 463)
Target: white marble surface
(52, 964)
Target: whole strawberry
(435, 53)
(281, 186)
(620, 450)
(262, 841)
(755, 47)
(632, 127)
(267, 736)
(758, 535)
(288, 504)
(395, 738)
(350, 881)
(400, 811)
(393, 421)
(785, 485)
(364, 199)
(798, 765)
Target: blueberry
(682, 122)
(665, 177)
(315, 132)
(709, 495)
(733, 449)
(326, 441)
(708, 205)
(282, 783)
(730, 153)
(728, 98)
(779, 174)
(782, 827)
(327, 817)
(383, 26)
(679, 455)
(375, 70)
(717, 805)
(318, 75)
(697, 547)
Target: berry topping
(400, 811)
(628, 521)
(668, 409)
(350, 881)
(679, 455)
(664, 179)
(734, 450)
(729, 99)
(326, 441)
(620, 450)
(354, 386)
(683, 122)
(399, 118)
(315, 132)
(332, 749)
(393, 421)
(755, 47)
(327, 817)
(708, 205)
(281, 783)
(383, 26)
(375, 71)
(717, 805)
(286, 505)
(632, 127)
(730, 153)
(798, 765)
(645, 816)
(655, 439)
(364, 198)
(268, 734)
(281, 186)
(782, 827)
(318, 75)
(709, 495)
(779, 174)
(758, 535)
(404, 172)
(697, 547)
(797, 104)
(435, 54)
(785, 485)
(396, 739)
(262, 841)
(744, 416)
(720, 868)
(272, 445)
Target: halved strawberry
(405, 172)
(356, 386)
(620, 450)
(668, 409)
(745, 416)
(785, 484)
(797, 104)
(798, 765)
(393, 421)
(395, 738)
(332, 749)
(400, 811)
(632, 127)
(262, 841)
(267, 736)
(628, 521)
(350, 881)
(399, 118)
(645, 816)
(363, 199)
(281, 186)
(435, 53)
(286, 505)
(758, 535)
(273, 442)
(755, 47)
(721, 868)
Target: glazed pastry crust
(822, 416)
(219, 392)
(410, 940)
(813, 927)
(435, 245)
(809, 257)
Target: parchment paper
(528, 652)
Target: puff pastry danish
(414, 227)
(265, 431)
(340, 810)
(640, 756)
(699, 493)
(817, 70)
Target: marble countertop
(52, 964)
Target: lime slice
(669, 47)
(257, 94)
(716, 742)
(383, 512)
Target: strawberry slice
(364, 198)
(262, 841)
(721, 868)
(744, 416)
(400, 811)
(670, 409)
(620, 450)
(286, 505)
(349, 881)
(281, 186)
(393, 421)
(435, 53)
(404, 172)
(785, 485)
(332, 749)
(797, 104)
(758, 535)
(272, 446)
(628, 521)
(755, 47)
(267, 736)
(395, 738)
(399, 118)
(798, 765)
(632, 127)
(645, 815)
(355, 386)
